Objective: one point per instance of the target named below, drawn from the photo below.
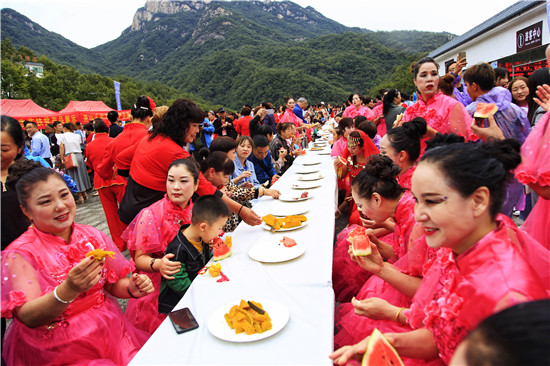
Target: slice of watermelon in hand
(220, 249)
(360, 245)
(380, 352)
(484, 110)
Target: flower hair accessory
(68, 181)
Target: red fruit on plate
(304, 195)
(288, 242)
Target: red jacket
(94, 153)
(150, 164)
(241, 125)
(130, 136)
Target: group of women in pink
(443, 257)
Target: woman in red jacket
(153, 155)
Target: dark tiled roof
(503, 16)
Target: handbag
(70, 161)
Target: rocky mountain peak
(155, 7)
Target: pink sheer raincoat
(92, 330)
(151, 232)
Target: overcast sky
(91, 23)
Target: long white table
(303, 285)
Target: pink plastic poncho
(92, 330)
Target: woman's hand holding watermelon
(374, 308)
(484, 133)
(347, 353)
(372, 263)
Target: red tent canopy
(84, 111)
(26, 109)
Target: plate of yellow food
(287, 223)
(248, 320)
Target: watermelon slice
(484, 110)
(288, 242)
(360, 244)
(304, 195)
(380, 352)
(358, 230)
(221, 250)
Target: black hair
(264, 130)
(176, 122)
(25, 123)
(260, 141)
(217, 160)
(13, 128)
(516, 336)
(89, 126)
(357, 120)
(142, 108)
(112, 116)
(368, 100)
(191, 166)
(345, 122)
(407, 137)
(23, 175)
(538, 77)
(350, 98)
(208, 208)
(245, 111)
(100, 126)
(378, 176)
(416, 67)
(68, 126)
(467, 167)
(501, 72)
(482, 74)
(441, 139)
(283, 126)
(356, 134)
(56, 123)
(388, 100)
(369, 128)
(223, 143)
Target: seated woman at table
(379, 197)
(59, 298)
(191, 250)
(280, 142)
(149, 234)
(459, 190)
(244, 173)
(351, 162)
(216, 165)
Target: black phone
(183, 320)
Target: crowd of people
(434, 189)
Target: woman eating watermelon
(481, 265)
(379, 197)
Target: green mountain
(237, 52)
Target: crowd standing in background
(433, 188)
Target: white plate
(273, 251)
(307, 185)
(309, 162)
(268, 228)
(218, 326)
(323, 153)
(284, 209)
(310, 177)
(317, 148)
(293, 197)
(307, 170)
(320, 142)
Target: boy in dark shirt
(190, 248)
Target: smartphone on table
(183, 320)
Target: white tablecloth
(303, 285)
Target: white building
(516, 38)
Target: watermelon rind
(386, 355)
(363, 251)
(484, 110)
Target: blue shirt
(239, 169)
(40, 145)
(299, 112)
(262, 174)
